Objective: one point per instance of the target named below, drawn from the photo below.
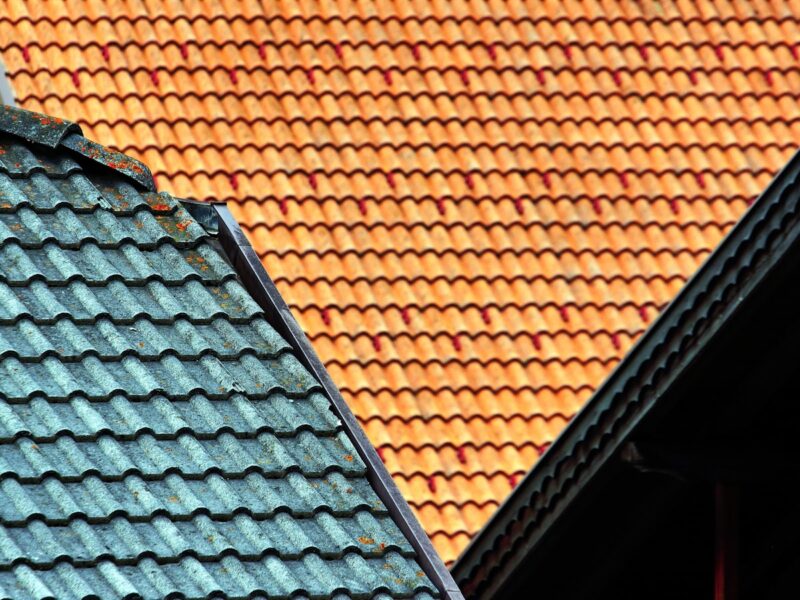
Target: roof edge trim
(258, 282)
(586, 441)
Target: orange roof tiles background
(473, 207)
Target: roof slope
(158, 438)
(474, 207)
(753, 273)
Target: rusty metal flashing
(258, 282)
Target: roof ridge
(52, 132)
(35, 127)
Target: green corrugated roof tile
(158, 437)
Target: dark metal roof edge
(260, 285)
(578, 444)
(202, 212)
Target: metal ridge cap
(258, 282)
(701, 288)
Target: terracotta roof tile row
(474, 207)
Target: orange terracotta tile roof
(474, 207)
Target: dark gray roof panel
(57, 502)
(42, 418)
(144, 339)
(125, 302)
(30, 459)
(76, 192)
(158, 437)
(91, 264)
(229, 577)
(171, 376)
(70, 229)
(124, 541)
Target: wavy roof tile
(474, 207)
(158, 436)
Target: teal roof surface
(158, 438)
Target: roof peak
(53, 132)
(35, 127)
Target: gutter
(261, 287)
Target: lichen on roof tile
(35, 127)
(158, 437)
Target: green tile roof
(158, 438)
